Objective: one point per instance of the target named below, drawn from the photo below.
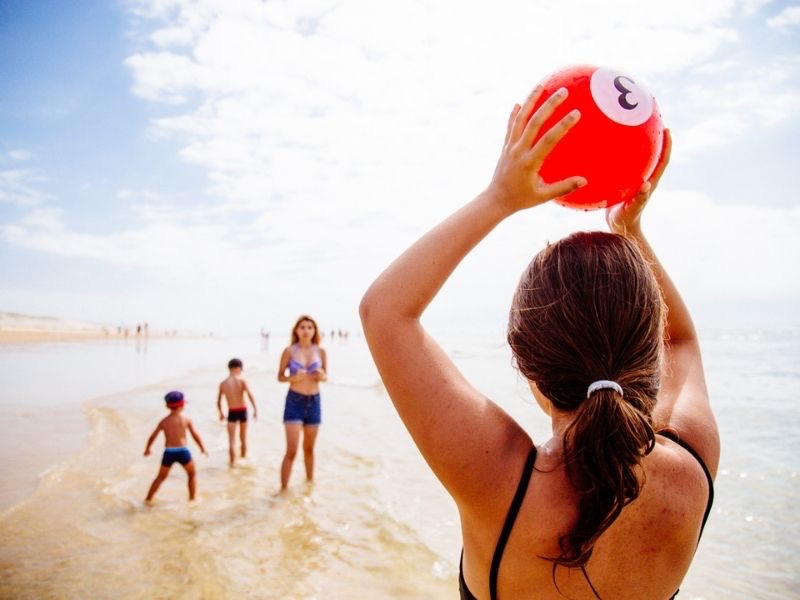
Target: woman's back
(657, 533)
(609, 349)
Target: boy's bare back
(233, 388)
(174, 427)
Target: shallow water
(45, 386)
(376, 524)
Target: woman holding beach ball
(303, 365)
(613, 504)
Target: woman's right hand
(516, 182)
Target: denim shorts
(302, 409)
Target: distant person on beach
(612, 505)
(304, 365)
(174, 427)
(233, 389)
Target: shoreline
(25, 336)
(19, 328)
(18, 336)
(16, 328)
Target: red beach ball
(616, 142)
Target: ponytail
(589, 306)
(603, 450)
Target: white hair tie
(604, 384)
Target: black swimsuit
(516, 504)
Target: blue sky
(224, 166)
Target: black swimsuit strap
(675, 438)
(513, 511)
(670, 435)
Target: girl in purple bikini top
(296, 366)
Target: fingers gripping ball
(615, 144)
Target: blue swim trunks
(302, 409)
(173, 455)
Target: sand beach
(18, 328)
(15, 328)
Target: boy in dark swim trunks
(174, 427)
(234, 388)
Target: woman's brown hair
(589, 308)
(300, 319)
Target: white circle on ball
(620, 98)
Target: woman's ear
(541, 399)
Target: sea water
(375, 524)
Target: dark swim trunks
(237, 415)
(173, 455)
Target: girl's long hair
(589, 308)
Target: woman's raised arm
(460, 433)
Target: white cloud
(730, 100)
(171, 36)
(48, 220)
(21, 187)
(162, 76)
(751, 7)
(721, 251)
(346, 100)
(786, 20)
(162, 246)
(20, 155)
(714, 131)
(146, 195)
(716, 253)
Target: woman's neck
(559, 421)
(554, 447)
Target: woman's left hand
(625, 218)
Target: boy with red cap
(174, 427)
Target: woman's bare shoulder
(676, 485)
